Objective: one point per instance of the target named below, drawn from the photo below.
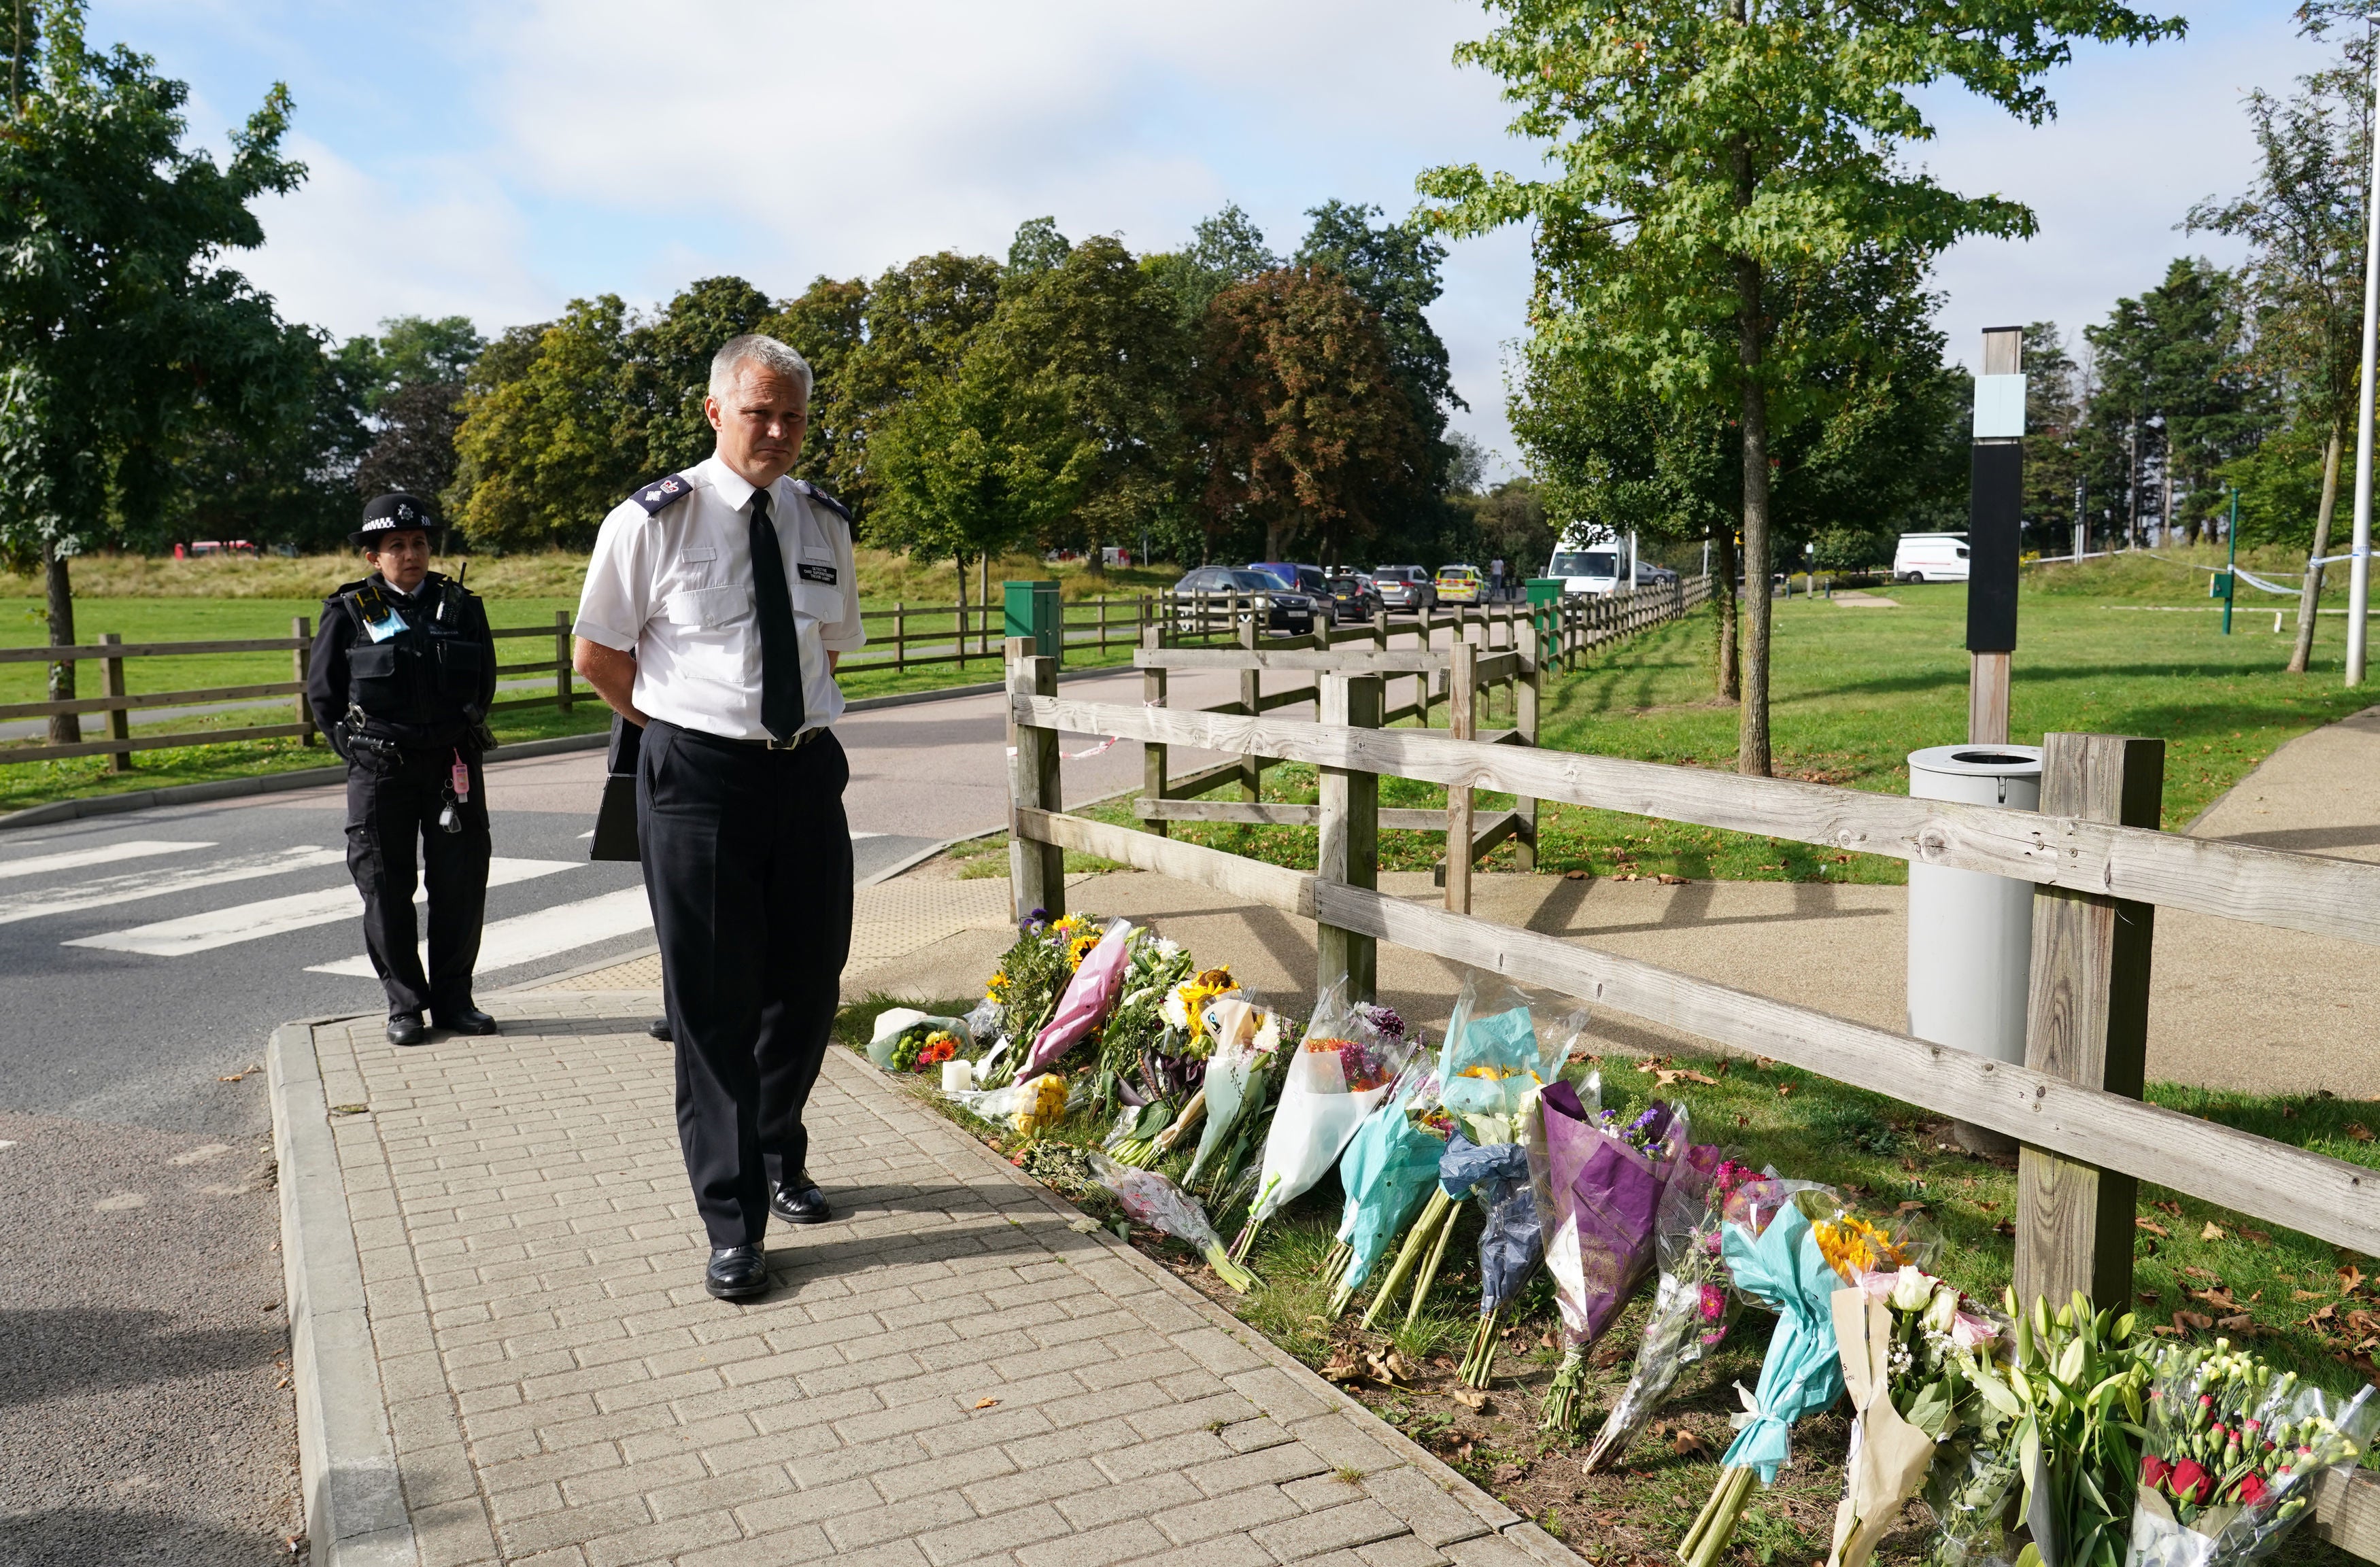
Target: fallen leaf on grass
(985, 1403)
(2350, 1278)
(2151, 1226)
(1915, 1207)
(2238, 1323)
(2171, 1210)
(2259, 1237)
(1669, 881)
(1471, 1398)
(2214, 1231)
(1689, 1445)
(2220, 1299)
(1342, 1368)
(2196, 1272)
(1783, 1089)
(1680, 1073)
(2305, 1294)
(2148, 1297)
(2003, 1228)
(2193, 1321)
(1574, 875)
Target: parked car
(1403, 586)
(1286, 611)
(1459, 585)
(1353, 597)
(1309, 580)
(1930, 557)
(1586, 572)
(1654, 576)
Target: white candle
(958, 1076)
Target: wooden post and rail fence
(2099, 867)
(903, 638)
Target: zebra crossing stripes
(273, 917)
(106, 854)
(132, 886)
(526, 938)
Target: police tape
(1107, 744)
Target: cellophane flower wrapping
(1694, 1300)
(1909, 1344)
(1498, 1176)
(1338, 1073)
(1151, 1199)
(1387, 1171)
(1137, 1024)
(894, 1024)
(1780, 1266)
(1030, 1107)
(1245, 1044)
(1024, 990)
(2233, 1453)
(1087, 996)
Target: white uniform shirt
(674, 588)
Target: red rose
(2153, 1469)
(2191, 1483)
(2250, 1489)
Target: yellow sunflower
(1080, 948)
(1852, 1247)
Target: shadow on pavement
(87, 1537)
(47, 1354)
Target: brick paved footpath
(948, 1373)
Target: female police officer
(403, 672)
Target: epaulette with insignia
(822, 498)
(664, 492)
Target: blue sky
(496, 159)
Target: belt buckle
(793, 744)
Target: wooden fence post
(562, 692)
(1462, 722)
(2087, 1020)
(1152, 753)
(301, 663)
(119, 722)
(1348, 849)
(900, 637)
(1035, 871)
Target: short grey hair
(756, 346)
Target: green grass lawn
(1855, 691)
(2299, 1295)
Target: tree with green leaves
(825, 324)
(553, 434)
(919, 320)
(1306, 433)
(120, 330)
(2303, 218)
(1225, 248)
(2176, 387)
(669, 367)
(1705, 147)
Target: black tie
(781, 658)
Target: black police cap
(395, 513)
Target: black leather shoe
(798, 1201)
(404, 1029)
(660, 1029)
(736, 1274)
(465, 1020)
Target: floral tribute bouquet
(1096, 958)
(1136, 1025)
(1022, 994)
(1151, 1199)
(1694, 1300)
(1388, 1171)
(1782, 1258)
(1490, 1067)
(2232, 1455)
(1029, 1109)
(1244, 1046)
(901, 1034)
(1911, 1346)
(1339, 1074)
(1600, 1183)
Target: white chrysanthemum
(1176, 1010)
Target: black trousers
(390, 807)
(747, 862)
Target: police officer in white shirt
(716, 605)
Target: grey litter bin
(1970, 934)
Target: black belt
(796, 743)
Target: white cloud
(348, 250)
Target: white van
(1594, 569)
(1930, 557)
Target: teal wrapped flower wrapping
(1784, 1271)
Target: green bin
(1033, 611)
(1545, 590)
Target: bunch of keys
(458, 791)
